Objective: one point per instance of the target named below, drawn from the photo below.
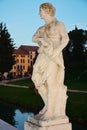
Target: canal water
(16, 116)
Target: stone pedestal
(61, 123)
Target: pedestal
(61, 123)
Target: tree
(76, 49)
(6, 50)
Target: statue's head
(49, 8)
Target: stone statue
(48, 70)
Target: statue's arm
(37, 36)
(64, 39)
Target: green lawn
(75, 78)
(76, 103)
(21, 96)
(24, 82)
(77, 106)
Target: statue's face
(43, 13)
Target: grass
(77, 106)
(23, 82)
(21, 96)
(76, 103)
(26, 97)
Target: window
(31, 56)
(17, 67)
(28, 60)
(14, 67)
(23, 67)
(22, 55)
(23, 60)
(17, 60)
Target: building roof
(24, 49)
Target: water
(20, 118)
(16, 116)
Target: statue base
(61, 123)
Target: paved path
(5, 83)
(5, 126)
(76, 91)
(13, 85)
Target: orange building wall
(23, 61)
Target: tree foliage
(76, 50)
(6, 50)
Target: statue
(48, 70)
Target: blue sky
(22, 17)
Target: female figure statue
(48, 70)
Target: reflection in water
(17, 116)
(20, 118)
(14, 115)
(7, 112)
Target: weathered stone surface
(50, 122)
(48, 70)
(48, 73)
(63, 126)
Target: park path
(76, 91)
(6, 83)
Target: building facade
(24, 58)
